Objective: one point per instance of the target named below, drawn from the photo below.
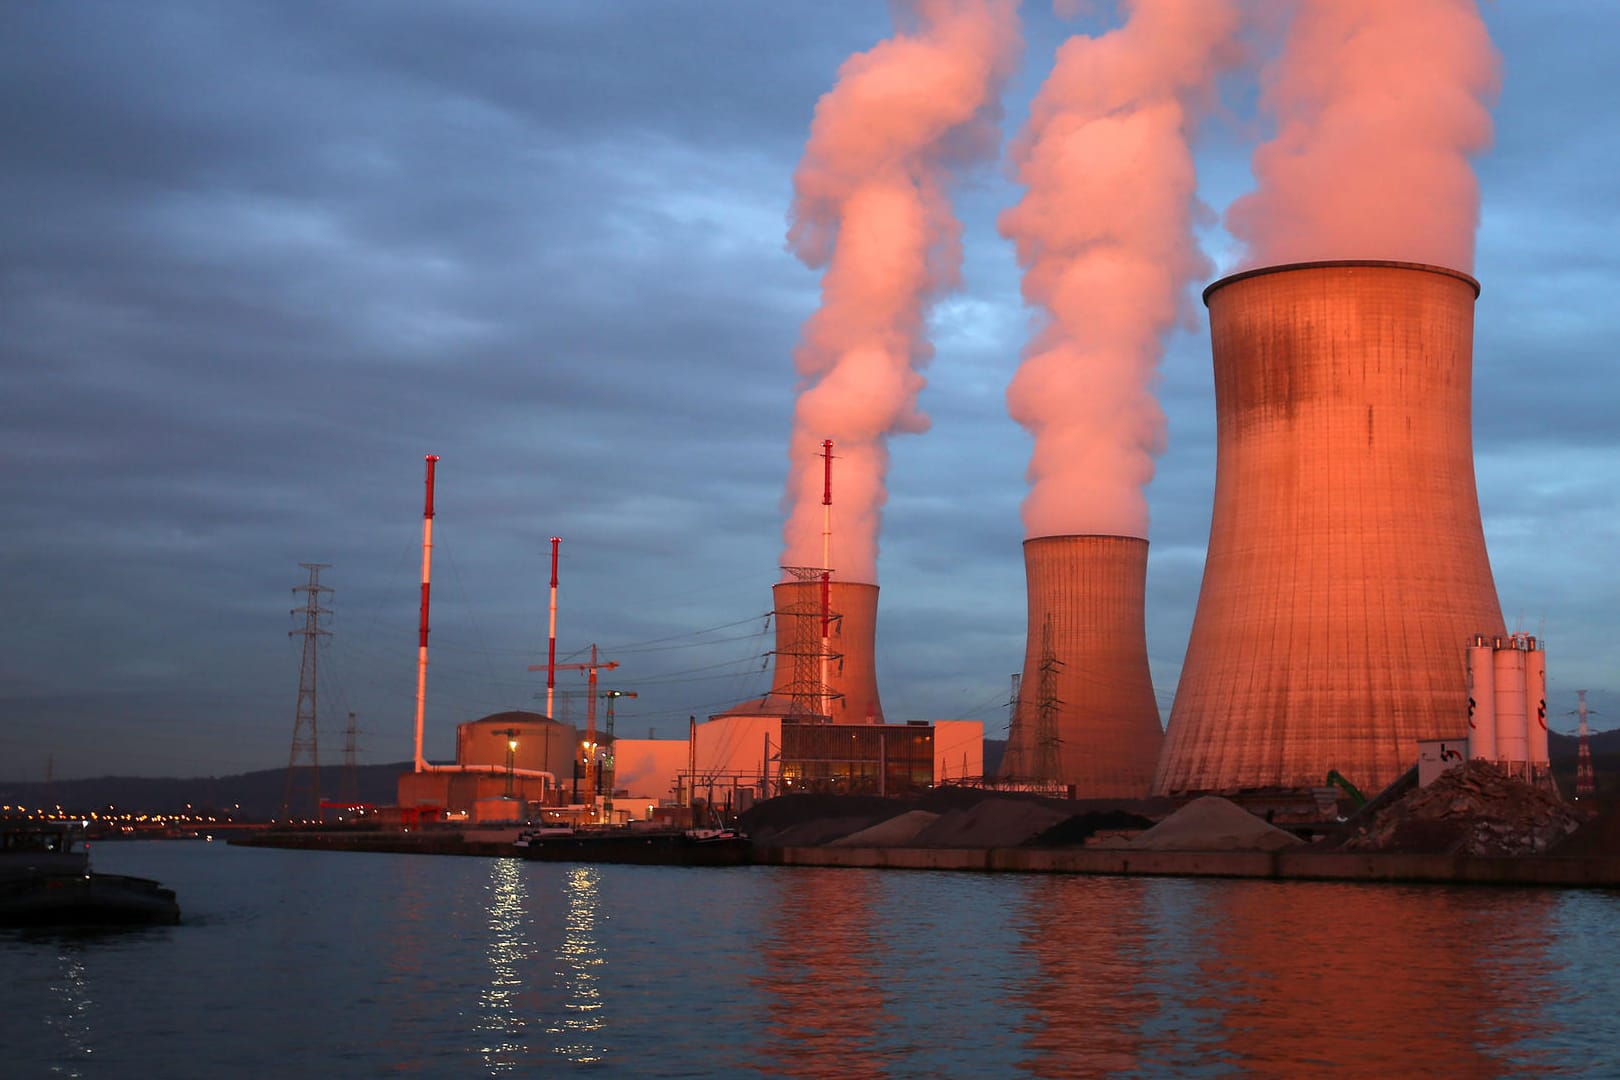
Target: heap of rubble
(1473, 809)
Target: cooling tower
(851, 674)
(1346, 571)
(1086, 714)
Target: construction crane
(592, 668)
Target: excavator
(1349, 789)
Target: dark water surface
(292, 963)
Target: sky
(256, 263)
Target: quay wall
(1289, 865)
(1598, 871)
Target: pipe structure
(549, 779)
(1086, 715)
(551, 644)
(1512, 736)
(422, 625)
(1535, 707)
(1346, 567)
(1482, 699)
(826, 567)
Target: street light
(589, 749)
(511, 754)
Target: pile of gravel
(898, 831)
(1473, 809)
(1211, 823)
(990, 823)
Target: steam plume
(1104, 233)
(1378, 106)
(870, 206)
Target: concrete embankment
(484, 842)
(1602, 871)
(1288, 865)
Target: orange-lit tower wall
(1086, 715)
(1346, 572)
(850, 692)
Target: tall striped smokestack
(796, 680)
(1086, 714)
(1346, 573)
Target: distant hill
(254, 796)
(1564, 751)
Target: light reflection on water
(74, 1013)
(581, 955)
(500, 1020)
(305, 962)
(822, 988)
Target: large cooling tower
(1346, 572)
(851, 674)
(1086, 714)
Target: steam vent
(1346, 571)
(851, 673)
(1086, 716)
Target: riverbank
(1599, 871)
(1291, 865)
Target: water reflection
(1390, 979)
(413, 943)
(73, 1009)
(823, 969)
(500, 1021)
(1086, 995)
(575, 1033)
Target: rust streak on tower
(1086, 657)
(1346, 569)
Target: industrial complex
(1347, 613)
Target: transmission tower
(809, 696)
(303, 762)
(1046, 716)
(1585, 784)
(351, 765)
(1012, 766)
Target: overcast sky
(258, 259)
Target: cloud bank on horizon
(254, 266)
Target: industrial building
(516, 765)
(1085, 721)
(734, 759)
(1346, 573)
(826, 634)
(504, 763)
(1347, 610)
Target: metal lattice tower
(1013, 764)
(1047, 705)
(809, 698)
(1585, 783)
(303, 762)
(351, 766)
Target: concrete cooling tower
(850, 674)
(1346, 573)
(1086, 714)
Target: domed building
(507, 763)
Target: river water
(295, 963)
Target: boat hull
(86, 900)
